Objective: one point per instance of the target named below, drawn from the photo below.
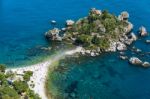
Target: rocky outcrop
(135, 61)
(129, 27)
(128, 40)
(112, 47)
(95, 11)
(69, 22)
(133, 36)
(121, 46)
(146, 64)
(124, 16)
(143, 31)
(90, 52)
(53, 34)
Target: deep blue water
(24, 22)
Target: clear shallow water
(103, 77)
(23, 23)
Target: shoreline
(40, 72)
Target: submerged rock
(53, 22)
(143, 31)
(135, 61)
(46, 48)
(138, 50)
(147, 41)
(63, 29)
(123, 57)
(122, 53)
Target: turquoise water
(23, 23)
(103, 77)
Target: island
(99, 32)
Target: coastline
(40, 71)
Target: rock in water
(95, 11)
(63, 29)
(135, 61)
(121, 46)
(124, 15)
(143, 31)
(92, 54)
(53, 22)
(147, 41)
(69, 22)
(146, 64)
(53, 34)
(133, 37)
(123, 57)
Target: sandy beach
(40, 71)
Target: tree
(2, 68)
(10, 74)
(103, 43)
(27, 75)
(109, 24)
(2, 76)
(20, 86)
(84, 39)
(8, 93)
(3, 80)
(32, 95)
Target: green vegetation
(98, 29)
(27, 75)
(11, 88)
(20, 86)
(2, 68)
(84, 39)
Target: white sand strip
(40, 72)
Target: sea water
(23, 23)
(22, 27)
